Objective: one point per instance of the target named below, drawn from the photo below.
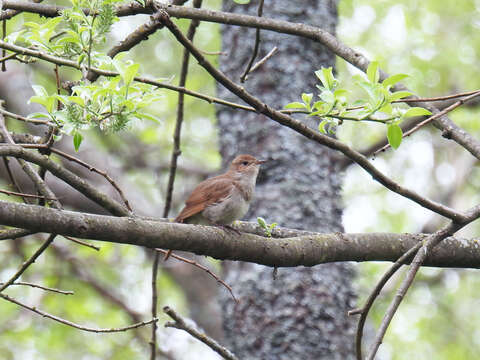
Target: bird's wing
(206, 193)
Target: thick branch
(306, 250)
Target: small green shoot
(267, 228)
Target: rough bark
(286, 247)
(302, 313)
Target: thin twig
(52, 129)
(98, 171)
(222, 53)
(436, 98)
(29, 262)
(38, 182)
(25, 195)
(67, 176)
(4, 52)
(374, 294)
(12, 178)
(84, 243)
(8, 57)
(63, 292)
(182, 325)
(434, 117)
(8, 234)
(432, 241)
(264, 59)
(204, 268)
(153, 336)
(255, 47)
(22, 118)
(76, 326)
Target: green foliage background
(435, 43)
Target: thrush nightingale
(224, 198)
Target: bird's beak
(258, 162)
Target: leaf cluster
(110, 104)
(379, 105)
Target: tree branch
(71, 324)
(307, 249)
(430, 244)
(70, 178)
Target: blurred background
(434, 42)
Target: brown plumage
(222, 199)
(205, 194)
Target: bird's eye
(245, 163)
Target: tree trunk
(302, 313)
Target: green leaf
(77, 140)
(261, 221)
(327, 96)
(387, 109)
(38, 115)
(318, 105)
(119, 65)
(148, 117)
(242, 2)
(130, 72)
(81, 58)
(77, 99)
(321, 127)
(295, 105)
(340, 93)
(372, 72)
(39, 90)
(14, 36)
(325, 75)
(398, 95)
(307, 99)
(47, 101)
(416, 111)
(32, 25)
(392, 80)
(394, 135)
(369, 88)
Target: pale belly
(224, 213)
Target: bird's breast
(233, 207)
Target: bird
(222, 199)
